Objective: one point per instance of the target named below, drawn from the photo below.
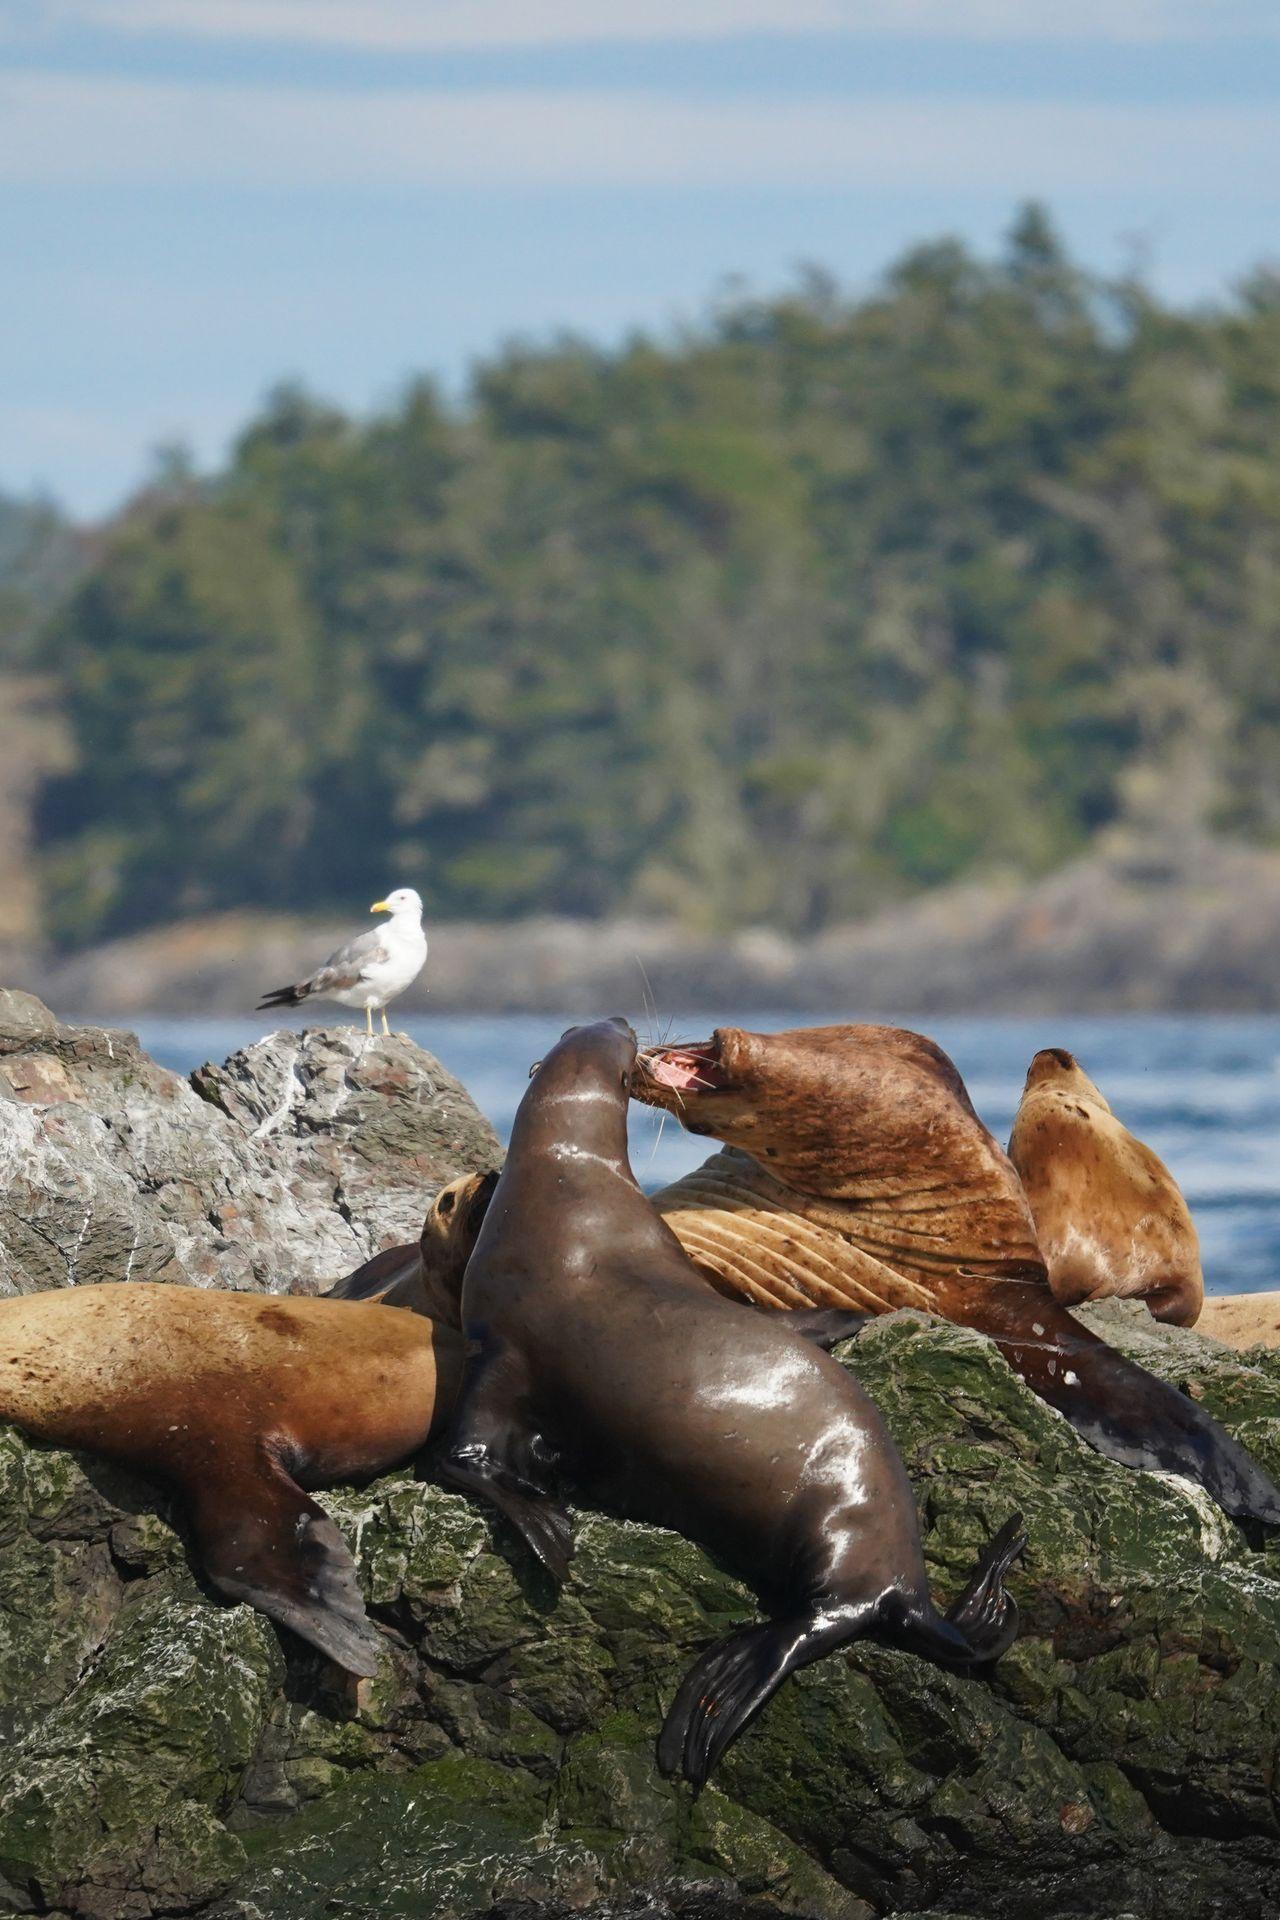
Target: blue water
(1203, 1090)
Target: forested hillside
(819, 604)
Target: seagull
(371, 969)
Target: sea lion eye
(445, 1204)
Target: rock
(286, 1167)
(165, 1753)
(364, 1127)
(1119, 1760)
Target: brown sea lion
(599, 1357)
(426, 1274)
(240, 1401)
(1242, 1319)
(1109, 1217)
(857, 1171)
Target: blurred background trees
(822, 603)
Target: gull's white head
(403, 900)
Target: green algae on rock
(164, 1753)
(1119, 1759)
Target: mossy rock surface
(170, 1754)
(162, 1753)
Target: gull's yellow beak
(379, 906)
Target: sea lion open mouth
(666, 1075)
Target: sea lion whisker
(650, 1003)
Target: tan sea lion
(425, 1275)
(856, 1172)
(1242, 1319)
(597, 1355)
(1109, 1217)
(240, 1401)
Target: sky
(199, 198)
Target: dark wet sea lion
(425, 1275)
(857, 1171)
(599, 1357)
(1109, 1216)
(240, 1401)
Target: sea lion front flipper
(542, 1523)
(392, 1278)
(1122, 1410)
(262, 1540)
(825, 1326)
(494, 1456)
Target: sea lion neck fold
(874, 1124)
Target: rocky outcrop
(164, 1753)
(278, 1171)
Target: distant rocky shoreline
(1136, 927)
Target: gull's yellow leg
(385, 1028)
(368, 1021)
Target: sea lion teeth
(599, 1357)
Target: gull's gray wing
(345, 967)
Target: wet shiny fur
(601, 1361)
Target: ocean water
(1203, 1090)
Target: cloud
(79, 130)
(439, 25)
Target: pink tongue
(675, 1070)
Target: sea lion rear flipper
(986, 1615)
(262, 1540)
(825, 1326)
(724, 1691)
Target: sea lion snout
(461, 1205)
(617, 1021)
(1056, 1070)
